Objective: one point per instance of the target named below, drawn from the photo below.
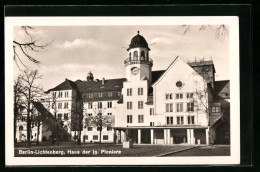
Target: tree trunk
(38, 131)
(100, 134)
(28, 125)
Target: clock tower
(138, 65)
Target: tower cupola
(90, 76)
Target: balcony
(138, 60)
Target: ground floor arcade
(189, 136)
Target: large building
(182, 104)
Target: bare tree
(30, 92)
(18, 102)
(26, 48)
(99, 121)
(220, 31)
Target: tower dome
(90, 76)
(138, 41)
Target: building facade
(182, 104)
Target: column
(207, 136)
(165, 136)
(188, 137)
(168, 136)
(139, 136)
(192, 137)
(152, 141)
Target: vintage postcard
(136, 90)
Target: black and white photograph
(136, 90)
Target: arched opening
(147, 56)
(142, 55)
(21, 128)
(135, 55)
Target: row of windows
(60, 94)
(135, 55)
(130, 105)
(139, 92)
(65, 105)
(130, 118)
(98, 128)
(100, 105)
(65, 116)
(169, 96)
(180, 120)
(179, 107)
(95, 137)
(90, 114)
(103, 94)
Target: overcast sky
(76, 50)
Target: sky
(76, 50)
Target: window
(189, 95)
(105, 137)
(66, 105)
(179, 107)
(135, 55)
(66, 116)
(109, 104)
(109, 128)
(54, 94)
(109, 94)
(190, 119)
(179, 96)
(180, 120)
(90, 95)
(66, 94)
(151, 111)
(215, 109)
(142, 54)
(169, 120)
(129, 105)
(169, 107)
(98, 128)
(129, 118)
(140, 91)
(53, 105)
(109, 113)
(129, 92)
(59, 116)
(99, 105)
(90, 105)
(140, 104)
(168, 96)
(60, 94)
(140, 118)
(89, 114)
(226, 134)
(59, 105)
(99, 114)
(151, 123)
(85, 137)
(95, 137)
(190, 107)
(118, 94)
(100, 94)
(90, 128)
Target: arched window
(135, 55)
(142, 55)
(130, 55)
(21, 128)
(147, 55)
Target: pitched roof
(66, 85)
(202, 63)
(97, 86)
(213, 119)
(156, 75)
(222, 87)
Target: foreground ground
(220, 150)
(116, 150)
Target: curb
(176, 151)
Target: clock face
(135, 71)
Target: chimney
(103, 81)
